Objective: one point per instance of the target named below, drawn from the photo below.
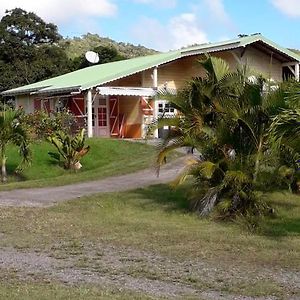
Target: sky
(170, 24)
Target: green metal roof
(100, 74)
(240, 42)
(95, 75)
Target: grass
(107, 157)
(51, 291)
(154, 236)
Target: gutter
(48, 91)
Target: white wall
(261, 63)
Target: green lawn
(107, 157)
(61, 292)
(148, 234)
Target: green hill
(296, 51)
(77, 46)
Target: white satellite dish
(92, 57)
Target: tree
(29, 50)
(106, 54)
(285, 130)
(12, 131)
(28, 28)
(226, 117)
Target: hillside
(296, 51)
(77, 46)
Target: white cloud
(288, 7)
(160, 3)
(185, 31)
(150, 33)
(63, 11)
(217, 9)
(180, 31)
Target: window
(102, 101)
(169, 108)
(160, 108)
(165, 108)
(102, 119)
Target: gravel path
(139, 271)
(47, 196)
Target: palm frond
(215, 67)
(206, 204)
(188, 171)
(286, 124)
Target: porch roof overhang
(126, 91)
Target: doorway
(100, 116)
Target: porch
(117, 112)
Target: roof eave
(50, 91)
(15, 92)
(284, 51)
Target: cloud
(201, 18)
(217, 9)
(180, 31)
(63, 11)
(288, 7)
(185, 31)
(150, 33)
(160, 3)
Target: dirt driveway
(47, 196)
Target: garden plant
(239, 124)
(12, 131)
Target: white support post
(155, 116)
(89, 100)
(297, 72)
(155, 111)
(155, 78)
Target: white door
(100, 115)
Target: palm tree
(226, 117)
(285, 130)
(12, 131)
(198, 105)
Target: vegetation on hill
(297, 51)
(32, 50)
(106, 54)
(77, 46)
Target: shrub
(71, 149)
(42, 124)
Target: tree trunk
(257, 160)
(3, 165)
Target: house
(119, 99)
